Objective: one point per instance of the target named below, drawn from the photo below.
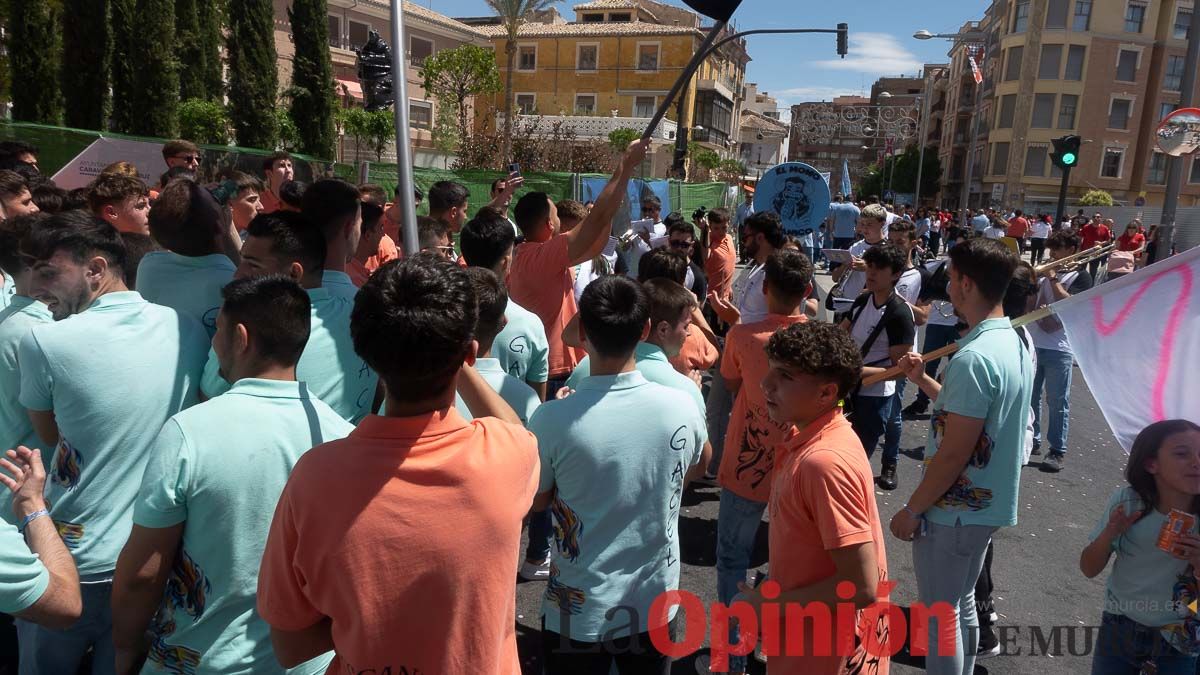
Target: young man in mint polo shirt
(492, 300)
(975, 451)
(98, 383)
(204, 508)
(488, 241)
(333, 206)
(286, 243)
(189, 275)
(614, 556)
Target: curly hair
(819, 349)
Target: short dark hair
(789, 273)
(1065, 238)
(13, 233)
(293, 238)
(768, 224)
(497, 182)
(292, 193)
(668, 300)
(328, 203)
(49, 197)
(420, 304)
(486, 239)
(651, 202)
(886, 255)
(372, 193)
(186, 219)
(613, 312)
(137, 245)
(111, 188)
(663, 263)
(819, 349)
(492, 299)
(531, 210)
(172, 148)
(718, 215)
(372, 216)
(986, 262)
(676, 223)
(244, 181)
(268, 162)
(78, 234)
(16, 147)
(430, 231)
(447, 194)
(572, 209)
(12, 184)
(276, 312)
(905, 227)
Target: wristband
(910, 512)
(30, 518)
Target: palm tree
(513, 13)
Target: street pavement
(1048, 611)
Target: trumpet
(625, 241)
(1076, 260)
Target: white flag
(1137, 341)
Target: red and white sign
(975, 70)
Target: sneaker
(989, 646)
(887, 477)
(1037, 449)
(1053, 462)
(917, 407)
(531, 571)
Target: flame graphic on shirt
(71, 533)
(68, 463)
(567, 529)
(187, 589)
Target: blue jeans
(947, 561)
(737, 524)
(871, 419)
(1123, 645)
(45, 650)
(1054, 373)
(717, 408)
(541, 532)
(936, 337)
(895, 425)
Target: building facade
(762, 136)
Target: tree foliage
(86, 45)
(312, 91)
(453, 77)
(211, 16)
(253, 81)
(155, 97)
(203, 121)
(513, 13)
(124, 24)
(537, 145)
(376, 129)
(289, 133)
(619, 139)
(189, 41)
(1096, 198)
(875, 180)
(34, 59)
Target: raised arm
(587, 241)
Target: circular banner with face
(1179, 132)
(798, 193)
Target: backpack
(860, 304)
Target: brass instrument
(1076, 260)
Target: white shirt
(994, 232)
(880, 349)
(855, 281)
(585, 274)
(748, 294)
(909, 285)
(639, 248)
(1041, 229)
(923, 227)
(744, 211)
(1053, 340)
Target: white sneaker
(535, 571)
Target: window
(1118, 113)
(527, 57)
(587, 58)
(715, 113)
(1075, 58)
(1043, 111)
(335, 31)
(1050, 63)
(527, 104)
(1021, 17)
(1056, 14)
(1067, 103)
(1135, 16)
(1000, 159)
(585, 104)
(1008, 104)
(620, 18)
(647, 56)
(593, 18)
(1165, 109)
(1157, 173)
(1183, 20)
(1173, 79)
(644, 106)
(1083, 15)
(1013, 72)
(1127, 62)
(420, 114)
(358, 33)
(1195, 173)
(1035, 160)
(1111, 166)
(419, 49)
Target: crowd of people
(245, 431)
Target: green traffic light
(1068, 158)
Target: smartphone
(225, 191)
(514, 168)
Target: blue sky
(797, 68)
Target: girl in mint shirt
(1147, 625)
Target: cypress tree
(34, 47)
(312, 90)
(253, 82)
(86, 45)
(156, 78)
(189, 47)
(211, 13)
(123, 18)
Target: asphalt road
(1041, 597)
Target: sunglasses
(190, 159)
(681, 244)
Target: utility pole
(1166, 229)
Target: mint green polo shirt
(190, 285)
(519, 395)
(16, 321)
(651, 362)
(339, 285)
(990, 378)
(522, 346)
(23, 577)
(220, 467)
(333, 372)
(113, 375)
(7, 291)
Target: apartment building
(824, 135)
(761, 135)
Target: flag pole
(404, 166)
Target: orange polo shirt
(697, 353)
(540, 281)
(720, 267)
(269, 201)
(361, 271)
(412, 554)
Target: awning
(351, 86)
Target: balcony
(723, 86)
(595, 126)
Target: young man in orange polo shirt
(720, 262)
(277, 170)
(374, 247)
(825, 527)
(429, 492)
(540, 278)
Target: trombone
(1076, 260)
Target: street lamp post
(922, 140)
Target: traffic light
(842, 30)
(1066, 151)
